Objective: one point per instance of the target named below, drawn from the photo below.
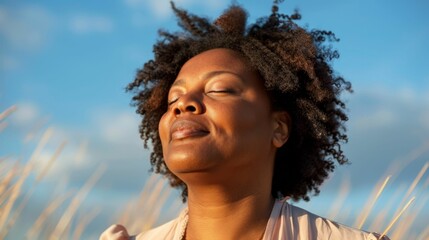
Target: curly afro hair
(295, 66)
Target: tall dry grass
(61, 218)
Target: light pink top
(286, 222)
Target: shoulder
(162, 232)
(311, 226)
(170, 230)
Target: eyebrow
(206, 76)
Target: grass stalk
(396, 218)
(75, 203)
(370, 204)
(83, 223)
(7, 112)
(48, 211)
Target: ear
(282, 124)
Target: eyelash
(221, 91)
(169, 103)
(172, 101)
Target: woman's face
(219, 118)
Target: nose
(189, 102)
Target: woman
(242, 118)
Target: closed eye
(172, 101)
(222, 91)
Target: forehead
(219, 59)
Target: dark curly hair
(295, 66)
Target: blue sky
(65, 65)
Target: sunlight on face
(219, 118)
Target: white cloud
(376, 119)
(74, 157)
(117, 128)
(162, 9)
(383, 107)
(26, 114)
(134, 3)
(112, 139)
(425, 120)
(82, 24)
(25, 28)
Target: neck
(229, 203)
(216, 213)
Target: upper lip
(184, 128)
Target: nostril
(176, 111)
(191, 108)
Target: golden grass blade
(6, 181)
(380, 219)
(75, 203)
(426, 184)
(42, 143)
(400, 163)
(400, 232)
(4, 166)
(38, 224)
(7, 112)
(81, 152)
(146, 221)
(396, 218)
(4, 214)
(24, 202)
(83, 222)
(37, 126)
(137, 216)
(152, 191)
(151, 200)
(51, 161)
(414, 184)
(157, 209)
(15, 192)
(16, 214)
(5, 195)
(369, 205)
(424, 235)
(417, 179)
(341, 197)
(126, 214)
(405, 224)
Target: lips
(182, 129)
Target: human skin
(219, 136)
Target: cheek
(246, 119)
(163, 128)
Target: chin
(181, 163)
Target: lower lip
(182, 134)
